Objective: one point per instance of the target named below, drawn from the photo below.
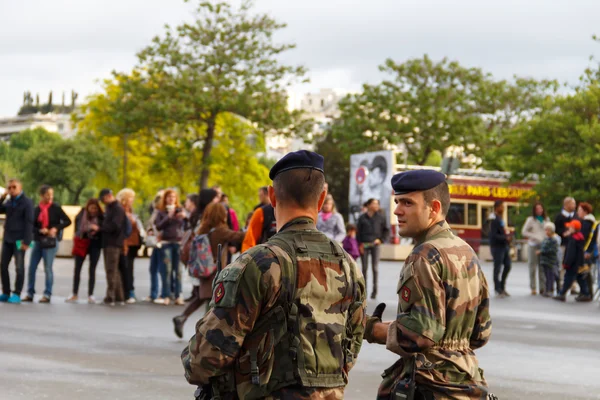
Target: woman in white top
(533, 231)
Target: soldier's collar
(434, 230)
(299, 223)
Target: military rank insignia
(405, 293)
(219, 292)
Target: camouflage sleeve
(421, 305)
(358, 314)
(482, 329)
(242, 291)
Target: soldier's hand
(378, 313)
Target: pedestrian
(113, 236)
(169, 223)
(152, 242)
(373, 231)
(443, 301)
(190, 205)
(273, 295)
(18, 235)
(232, 215)
(350, 243)
(548, 254)
(263, 197)
(204, 198)
(574, 259)
(261, 228)
(566, 214)
(49, 222)
(500, 248)
(131, 245)
(589, 230)
(214, 224)
(330, 221)
(87, 242)
(534, 232)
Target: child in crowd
(350, 243)
(549, 257)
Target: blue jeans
(155, 265)
(171, 270)
(38, 254)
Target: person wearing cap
(300, 292)
(113, 238)
(443, 301)
(574, 259)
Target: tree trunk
(125, 160)
(78, 194)
(206, 150)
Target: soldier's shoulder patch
(405, 293)
(219, 292)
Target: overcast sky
(61, 45)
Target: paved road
(540, 349)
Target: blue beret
(416, 181)
(295, 160)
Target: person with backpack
(169, 222)
(114, 231)
(213, 231)
(261, 228)
(287, 317)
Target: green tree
(561, 145)
(68, 165)
(337, 170)
(225, 61)
(424, 107)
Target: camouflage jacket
(249, 290)
(443, 297)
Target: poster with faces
(370, 178)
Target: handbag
(47, 242)
(151, 241)
(80, 246)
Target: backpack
(201, 262)
(128, 227)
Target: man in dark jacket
(574, 259)
(500, 248)
(113, 236)
(373, 230)
(18, 234)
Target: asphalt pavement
(540, 348)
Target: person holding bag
(214, 224)
(87, 242)
(49, 221)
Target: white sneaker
(179, 301)
(158, 300)
(91, 300)
(121, 303)
(131, 300)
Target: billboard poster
(370, 176)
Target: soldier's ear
(436, 206)
(322, 198)
(272, 198)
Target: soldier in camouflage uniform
(287, 318)
(443, 301)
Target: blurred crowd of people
(108, 226)
(562, 255)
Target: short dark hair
(301, 186)
(498, 203)
(264, 189)
(193, 197)
(44, 189)
(440, 193)
(350, 228)
(369, 202)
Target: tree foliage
(68, 165)
(224, 62)
(562, 146)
